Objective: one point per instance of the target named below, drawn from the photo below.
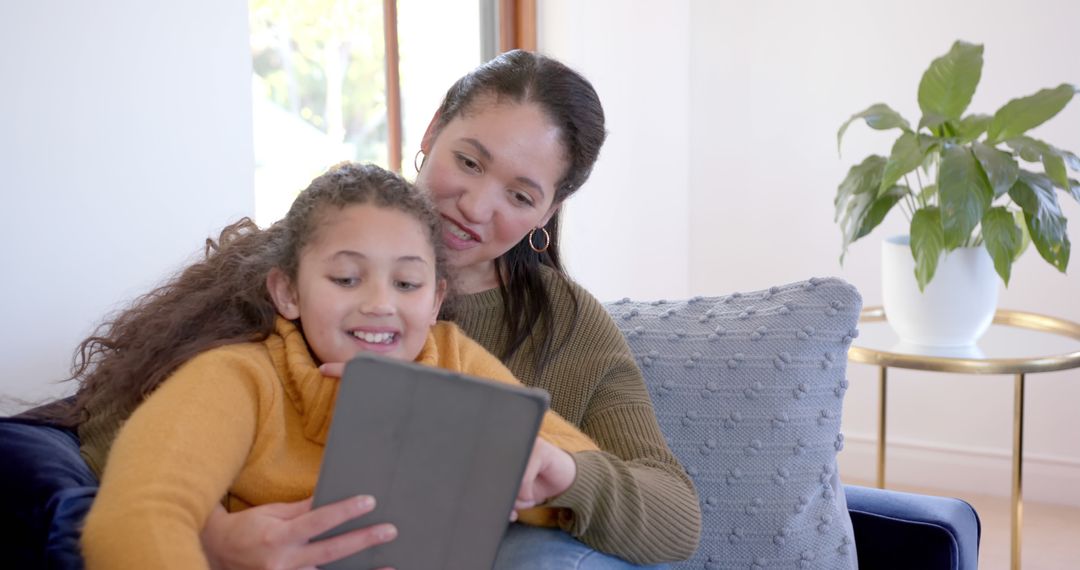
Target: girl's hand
(550, 471)
(276, 535)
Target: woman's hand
(276, 535)
(550, 471)
(332, 369)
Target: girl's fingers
(338, 547)
(317, 521)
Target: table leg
(1017, 470)
(882, 380)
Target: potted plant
(966, 183)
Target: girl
(243, 411)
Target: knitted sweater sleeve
(171, 464)
(475, 360)
(633, 499)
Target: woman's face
(491, 172)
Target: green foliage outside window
(322, 61)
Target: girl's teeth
(374, 338)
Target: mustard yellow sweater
(249, 421)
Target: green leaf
(928, 193)
(1034, 193)
(931, 161)
(1054, 159)
(1035, 150)
(1020, 115)
(999, 166)
(1054, 165)
(935, 123)
(1073, 189)
(965, 195)
(854, 197)
(927, 243)
(1071, 159)
(907, 155)
(1025, 240)
(971, 127)
(879, 208)
(1002, 239)
(862, 178)
(950, 81)
(878, 116)
(1029, 149)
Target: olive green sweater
(633, 499)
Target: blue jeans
(46, 489)
(533, 548)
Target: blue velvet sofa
(748, 391)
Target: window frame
(514, 28)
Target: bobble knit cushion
(748, 391)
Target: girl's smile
(369, 340)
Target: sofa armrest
(904, 530)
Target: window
(320, 85)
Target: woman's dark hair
(223, 299)
(571, 104)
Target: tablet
(442, 453)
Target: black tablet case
(442, 453)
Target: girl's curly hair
(222, 299)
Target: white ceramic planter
(958, 304)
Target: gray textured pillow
(748, 391)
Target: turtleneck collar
(310, 392)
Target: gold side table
(1000, 351)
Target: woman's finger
(332, 369)
(528, 479)
(317, 521)
(525, 496)
(338, 547)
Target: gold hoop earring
(417, 157)
(547, 240)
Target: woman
(511, 141)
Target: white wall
(637, 58)
(759, 95)
(125, 140)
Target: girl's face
(365, 283)
(492, 173)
